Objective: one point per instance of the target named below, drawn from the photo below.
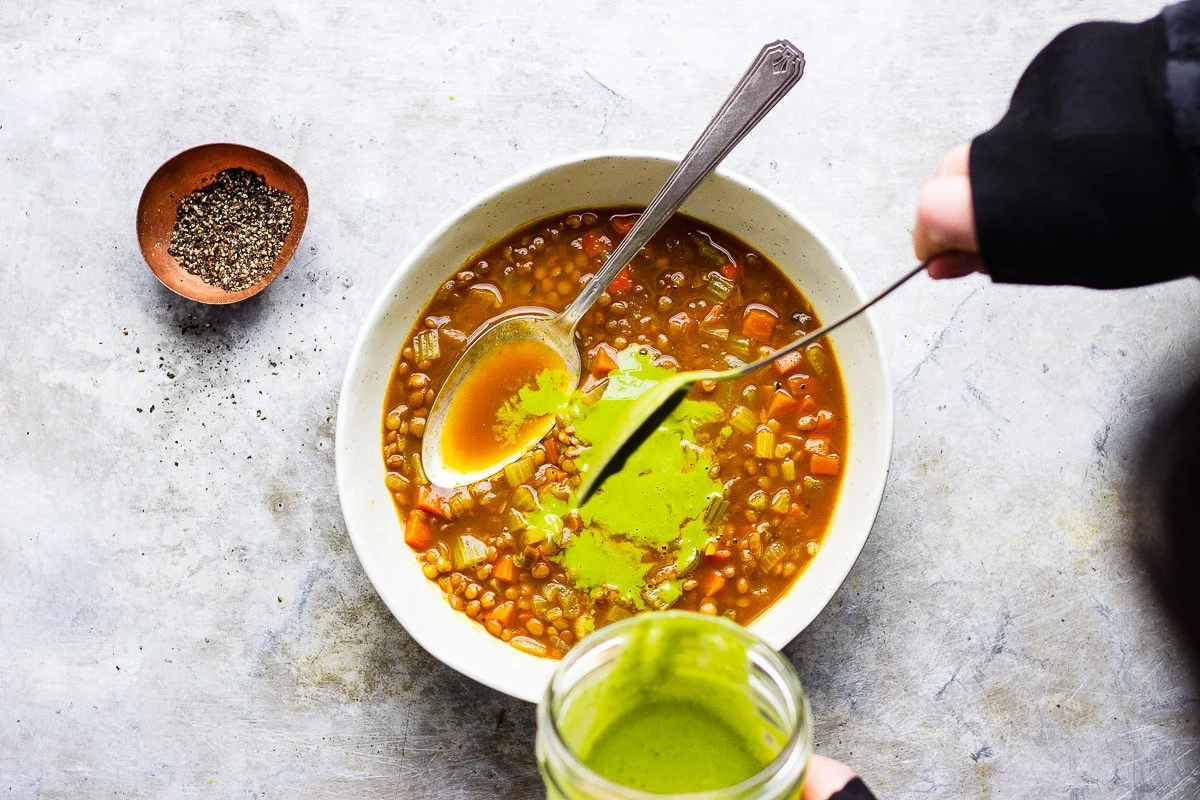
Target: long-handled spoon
(648, 411)
(776, 70)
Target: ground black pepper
(230, 232)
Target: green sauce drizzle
(655, 505)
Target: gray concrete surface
(181, 614)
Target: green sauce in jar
(673, 704)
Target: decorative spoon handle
(777, 68)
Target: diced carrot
(504, 613)
(604, 358)
(711, 583)
(597, 243)
(623, 223)
(785, 364)
(808, 405)
(759, 324)
(824, 465)
(552, 474)
(795, 511)
(826, 420)
(417, 533)
(504, 569)
(622, 283)
(801, 383)
(817, 444)
(781, 403)
(429, 500)
(551, 445)
(732, 271)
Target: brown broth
(472, 438)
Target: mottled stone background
(181, 614)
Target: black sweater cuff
(854, 790)
(1082, 181)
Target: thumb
(945, 218)
(825, 778)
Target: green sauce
(655, 505)
(674, 747)
(675, 712)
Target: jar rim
(781, 672)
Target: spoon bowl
(500, 336)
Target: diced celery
(519, 472)
(571, 604)
(708, 250)
(817, 359)
(524, 499)
(783, 450)
(740, 346)
(687, 560)
(772, 555)
(417, 469)
(715, 512)
(781, 502)
(584, 624)
(743, 420)
(469, 551)
(616, 612)
(812, 484)
(764, 442)
(719, 287)
(515, 521)
(427, 346)
(662, 596)
(788, 469)
(757, 500)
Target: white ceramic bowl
(589, 180)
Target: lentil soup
(721, 509)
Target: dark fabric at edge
(1081, 181)
(1182, 30)
(854, 790)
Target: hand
(825, 778)
(945, 229)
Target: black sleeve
(1083, 181)
(854, 790)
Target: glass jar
(662, 669)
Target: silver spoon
(776, 70)
(648, 411)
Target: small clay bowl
(184, 174)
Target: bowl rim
(777, 635)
